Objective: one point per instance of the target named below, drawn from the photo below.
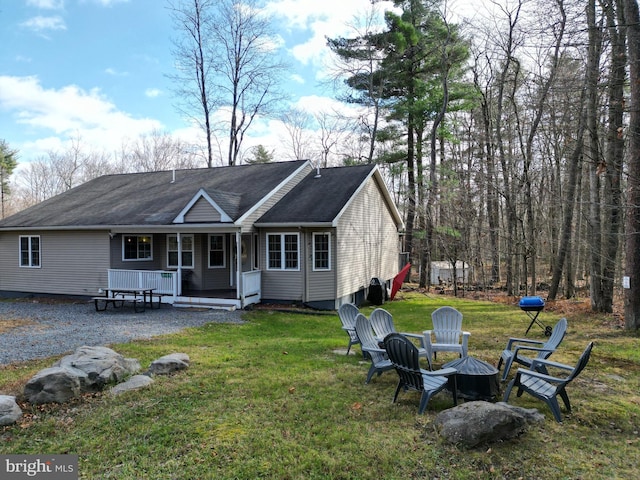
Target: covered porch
(166, 285)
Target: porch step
(210, 305)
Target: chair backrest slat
(382, 323)
(447, 325)
(557, 334)
(367, 339)
(404, 356)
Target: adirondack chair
(546, 387)
(404, 357)
(378, 355)
(347, 313)
(447, 334)
(515, 347)
(382, 324)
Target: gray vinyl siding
(367, 242)
(322, 283)
(202, 212)
(282, 284)
(72, 263)
(263, 208)
(158, 252)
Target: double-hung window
(321, 251)
(30, 251)
(216, 251)
(283, 251)
(137, 247)
(186, 243)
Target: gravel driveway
(31, 329)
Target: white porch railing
(163, 282)
(166, 283)
(250, 287)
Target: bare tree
(194, 63)
(157, 151)
(298, 122)
(246, 69)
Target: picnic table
(138, 297)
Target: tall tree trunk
(612, 192)
(632, 231)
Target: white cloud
(297, 78)
(153, 92)
(42, 24)
(318, 20)
(66, 112)
(115, 73)
(46, 4)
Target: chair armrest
(371, 349)
(443, 372)
(349, 329)
(522, 340)
(550, 363)
(541, 376)
(531, 349)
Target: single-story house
(237, 235)
(442, 272)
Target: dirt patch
(8, 325)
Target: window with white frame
(321, 251)
(137, 247)
(30, 251)
(282, 251)
(186, 244)
(217, 251)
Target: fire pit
(476, 379)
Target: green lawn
(272, 399)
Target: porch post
(238, 264)
(179, 240)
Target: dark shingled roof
(318, 200)
(152, 198)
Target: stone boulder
(475, 423)
(10, 412)
(169, 364)
(55, 384)
(101, 366)
(134, 383)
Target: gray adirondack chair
(546, 387)
(347, 313)
(404, 357)
(516, 346)
(447, 334)
(378, 355)
(382, 324)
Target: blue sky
(96, 69)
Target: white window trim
(282, 252)
(224, 251)
(30, 265)
(181, 250)
(124, 236)
(313, 247)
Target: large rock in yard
(134, 383)
(101, 365)
(474, 423)
(169, 364)
(10, 412)
(53, 384)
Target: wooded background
(510, 141)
